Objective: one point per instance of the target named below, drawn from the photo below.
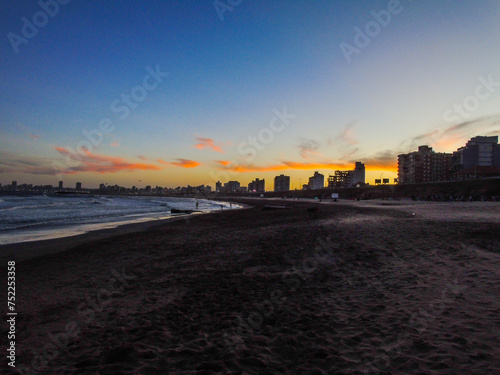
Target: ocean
(37, 217)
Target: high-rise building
(14, 183)
(78, 186)
(218, 187)
(231, 187)
(341, 179)
(257, 186)
(480, 157)
(424, 165)
(61, 184)
(282, 183)
(317, 181)
(345, 179)
(358, 176)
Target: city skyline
(189, 94)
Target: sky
(171, 93)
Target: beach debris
(313, 212)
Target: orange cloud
(207, 142)
(382, 161)
(372, 164)
(94, 163)
(225, 163)
(381, 166)
(185, 163)
(286, 165)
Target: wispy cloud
(348, 135)
(185, 163)
(284, 165)
(447, 139)
(344, 144)
(90, 162)
(28, 131)
(308, 148)
(14, 163)
(142, 157)
(207, 142)
(382, 161)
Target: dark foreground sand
(362, 289)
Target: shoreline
(21, 251)
(27, 250)
(254, 290)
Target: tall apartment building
(231, 187)
(218, 187)
(317, 181)
(345, 179)
(480, 157)
(282, 183)
(358, 176)
(257, 186)
(341, 179)
(424, 165)
(78, 186)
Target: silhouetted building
(257, 186)
(340, 179)
(346, 179)
(14, 183)
(479, 158)
(423, 165)
(231, 187)
(78, 186)
(358, 176)
(218, 187)
(317, 181)
(60, 184)
(282, 183)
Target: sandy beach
(367, 287)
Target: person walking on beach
(196, 205)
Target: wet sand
(367, 287)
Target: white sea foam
(45, 213)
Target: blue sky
(226, 80)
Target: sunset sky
(172, 93)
